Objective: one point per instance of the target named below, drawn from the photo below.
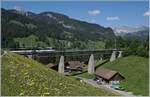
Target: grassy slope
(135, 70)
(23, 76)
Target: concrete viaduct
(64, 53)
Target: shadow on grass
(78, 73)
(101, 64)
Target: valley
(74, 48)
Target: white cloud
(93, 20)
(18, 8)
(94, 12)
(112, 18)
(147, 13)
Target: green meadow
(23, 76)
(135, 70)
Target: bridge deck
(64, 52)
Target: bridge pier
(101, 59)
(113, 56)
(91, 65)
(29, 56)
(120, 54)
(61, 65)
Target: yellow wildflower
(46, 94)
(26, 73)
(21, 94)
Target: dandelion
(17, 64)
(46, 93)
(68, 92)
(26, 73)
(60, 84)
(11, 62)
(46, 88)
(21, 94)
(31, 84)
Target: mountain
(141, 32)
(128, 29)
(22, 76)
(50, 29)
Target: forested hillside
(49, 29)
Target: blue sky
(108, 14)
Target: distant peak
(129, 29)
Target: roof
(105, 73)
(75, 64)
(50, 65)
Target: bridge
(65, 52)
(65, 55)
